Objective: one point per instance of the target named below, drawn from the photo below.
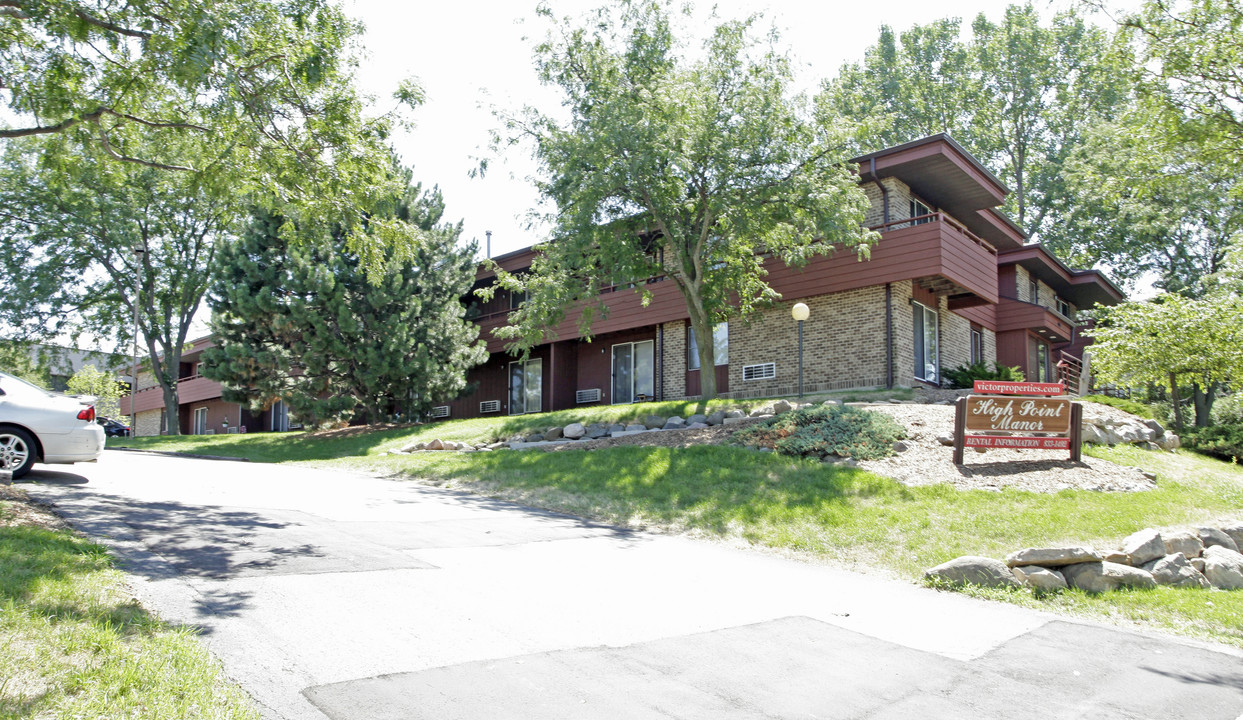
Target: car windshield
(19, 388)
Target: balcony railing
(931, 218)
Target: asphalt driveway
(333, 595)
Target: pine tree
(306, 324)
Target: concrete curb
(166, 453)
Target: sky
(472, 57)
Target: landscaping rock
(537, 437)
(830, 403)
(654, 422)
(635, 427)
(947, 440)
(553, 433)
(1099, 577)
(497, 445)
(1093, 435)
(1039, 578)
(1119, 557)
(735, 413)
(616, 428)
(674, 423)
(900, 446)
(734, 420)
(1144, 546)
(973, 570)
(1176, 571)
(1211, 536)
(716, 418)
(435, 445)
(595, 431)
(1184, 542)
(449, 445)
(413, 447)
(1169, 441)
(518, 438)
(779, 407)
(1223, 567)
(574, 431)
(697, 418)
(1156, 427)
(759, 411)
(697, 426)
(1197, 563)
(1052, 557)
(1235, 531)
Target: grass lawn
(838, 514)
(74, 644)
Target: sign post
(1004, 411)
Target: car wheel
(17, 451)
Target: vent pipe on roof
(489, 234)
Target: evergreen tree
(304, 323)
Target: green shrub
(964, 376)
(1135, 408)
(826, 430)
(1228, 410)
(1221, 441)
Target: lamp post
(138, 251)
(800, 312)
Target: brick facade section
(674, 361)
(147, 422)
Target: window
(1063, 308)
(918, 208)
(634, 372)
(720, 346)
(516, 299)
(200, 421)
(1033, 292)
(280, 416)
(927, 362)
(1038, 362)
(977, 346)
(526, 386)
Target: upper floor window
(720, 346)
(918, 208)
(1063, 308)
(516, 299)
(1033, 291)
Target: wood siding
(1017, 315)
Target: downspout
(888, 336)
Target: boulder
(497, 445)
(1041, 579)
(900, 446)
(537, 437)
(449, 445)
(574, 431)
(1175, 570)
(973, 570)
(697, 426)
(674, 423)
(947, 440)
(759, 411)
(1211, 536)
(1197, 563)
(1235, 531)
(697, 418)
(596, 431)
(735, 413)
(1117, 556)
(780, 406)
(1098, 577)
(635, 427)
(1169, 441)
(436, 445)
(716, 418)
(830, 403)
(413, 447)
(1052, 557)
(1156, 428)
(1091, 434)
(654, 422)
(517, 438)
(734, 420)
(1181, 541)
(553, 433)
(614, 428)
(1223, 567)
(1144, 546)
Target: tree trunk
(707, 355)
(1178, 407)
(1203, 400)
(172, 411)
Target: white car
(39, 426)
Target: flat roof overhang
(1084, 288)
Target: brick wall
(674, 386)
(903, 335)
(147, 423)
(955, 338)
(899, 201)
(1047, 295)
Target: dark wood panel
(563, 373)
(982, 315)
(595, 359)
(1012, 349)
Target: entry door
(200, 421)
(634, 371)
(526, 386)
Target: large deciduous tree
(1018, 93)
(69, 226)
(257, 94)
(1172, 340)
(667, 164)
(304, 323)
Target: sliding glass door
(634, 372)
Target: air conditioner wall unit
(490, 406)
(440, 411)
(587, 396)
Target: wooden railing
(932, 218)
(1069, 372)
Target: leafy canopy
(688, 166)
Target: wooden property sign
(1008, 410)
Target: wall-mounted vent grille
(440, 411)
(763, 371)
(488, 406)
(586, 396)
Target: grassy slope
(844, 515)
(74, 644)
